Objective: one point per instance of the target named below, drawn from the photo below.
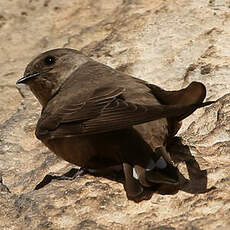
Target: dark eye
(50, 60)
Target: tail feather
(196, 106)
(178, 111)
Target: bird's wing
(106, 110)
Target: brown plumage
(96, 117)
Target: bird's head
(46, 73)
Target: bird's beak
(24, 79)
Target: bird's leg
(70, 175)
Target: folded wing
(106, 110)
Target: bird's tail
(178, 111)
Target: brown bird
(98, 118)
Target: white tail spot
(135, 175)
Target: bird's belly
(76, 150)
(94, 151)
(103, 150)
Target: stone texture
(169, 43)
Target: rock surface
(167, 42)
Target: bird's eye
(49, 60)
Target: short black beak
(24, 79)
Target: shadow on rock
(197, 182)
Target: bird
(99, 118)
